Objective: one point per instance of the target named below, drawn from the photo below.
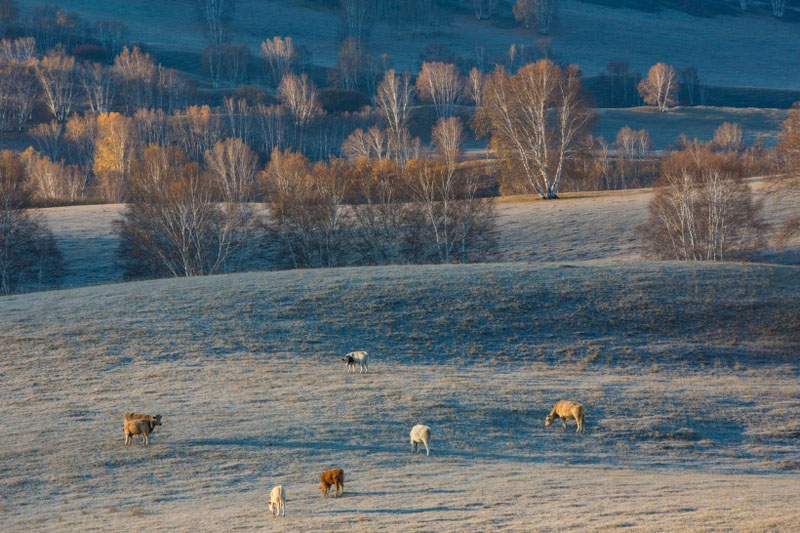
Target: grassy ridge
(507, 311)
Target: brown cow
(140, 426)
(136, 416)
(335, 477)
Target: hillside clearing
(479, 353)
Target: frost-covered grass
(688, 373)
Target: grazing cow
(352, 358)
(420, 434)
(277, 501)
(135, 416)
(565, 410)
(335, 477)
(141, 426)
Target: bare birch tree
(484, 8)
(299, 95)
(703, 209)
(280, 57)
(173, 224)
(660, 87)
(475, 85)
(537, 13)
(56, 75)
(99, 87)
(442, 85)
(535, 119)
(728, 138)
(233, 167)
(28, 253)
(394, 98)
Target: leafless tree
(217, 14)
(172, 90)
(703, 209)
(475, 85)
(113, 34)
(300, 95)
(778, 7)
(535, 119)
(280, 57)
(56, 75)
(371, 144)
(152, 126)
(241, 120)
(137, 74)
(692, 83)
(28, 252)
(660, 87)
(484, 8)
(52, 180)
(632, 148)
(442, 85)
(305, 208)
(350, 64)
(273, 124)
(394, 98)
(538, 13)
(53, 26)
(48, 137)
(17, 95)
(196, 130)
(387, 227)
(456, 221)
(728, 138)
(173, 225)
(233, 167)
(226, 62)
(20, 50)
(357, 19)
(99, 86)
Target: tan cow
(277, 501)
(565, 410)
(140, 426)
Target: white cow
(277, 501)
(420, 434)
(352, 358)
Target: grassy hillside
(579, 227)
(480, 353)
(723, 49)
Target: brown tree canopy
(660, 87)
(535, 119)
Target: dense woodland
(359, 164)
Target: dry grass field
(690, 382)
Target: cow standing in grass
(565, 410)
(352, 358)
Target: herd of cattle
(142, 425)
